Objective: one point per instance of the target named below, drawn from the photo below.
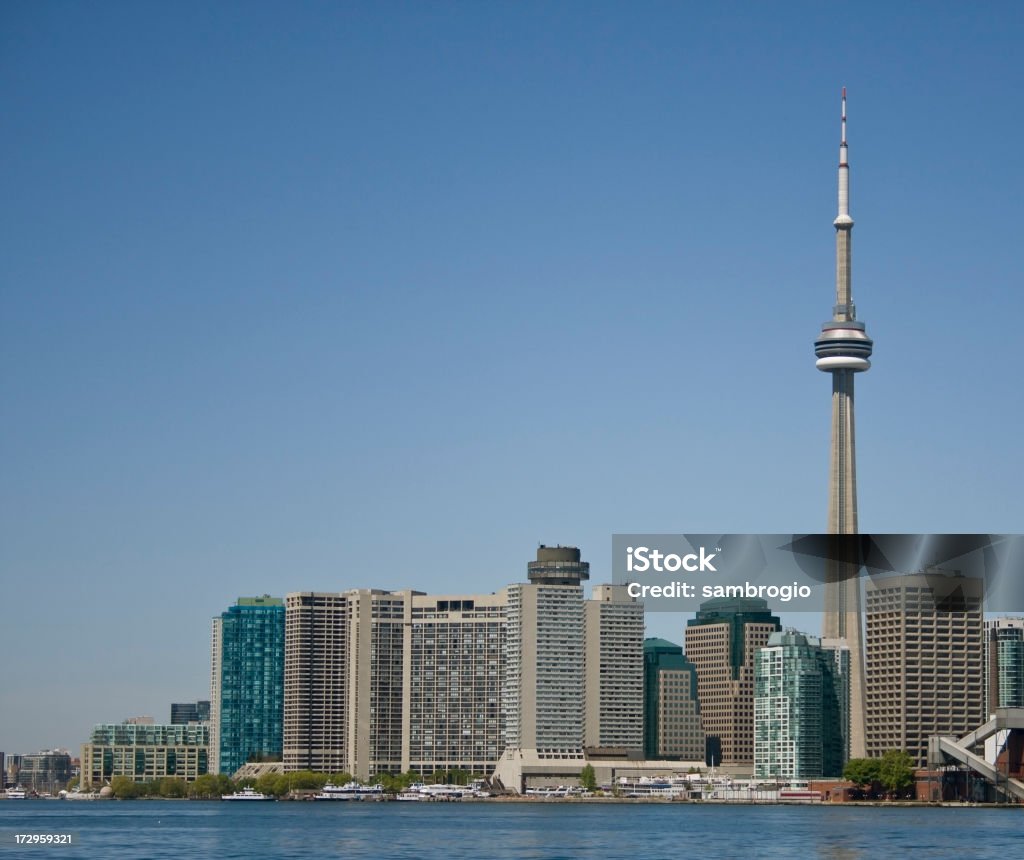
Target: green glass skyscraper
(798, 719)
(247, 707)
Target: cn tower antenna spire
(844, 117)
(843, 219)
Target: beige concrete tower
(843, 349)
(925, 656)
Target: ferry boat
(439, 791)
(350, 791)
(246, 793)
(78, 794)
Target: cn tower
(843, 349)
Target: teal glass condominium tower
(247, 706)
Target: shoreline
(663, 801)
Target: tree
(171, 786)
(125, 788)
(275, 784)
(896, 772)
(205, 787)
(387, 781)
(588, 779)
(862, 771)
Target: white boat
(78, 794)
(246, 794)
(439, 791)
(350, 791)
(16, 793)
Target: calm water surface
(117, 830)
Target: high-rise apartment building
(248, 681)
(544, 686)
(216, 667)
(798, 724)
(376, 620)
(391, 681)
(614, 660)
(672, 722)
(1004, 663)
(316, 682)
(454, 659)
(924, 660)
(722, 642)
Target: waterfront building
(924, 660)
(842, 350)
(1004, 663)
(544, 689)
(454, 661)
(672, 721)
(722, 642)
(45, 772)
(144, 752)
(248, 674)
(798, 720)
(216, 666)
(376, 637)
(391, 681)
(190, 712)
(614, 662)
(316, 682)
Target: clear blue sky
(330, 295)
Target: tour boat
(246, 793)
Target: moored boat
(350, 791)
(247, 793)
(78, 794)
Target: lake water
(119, 830)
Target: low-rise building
(145, 752)
(45, 772)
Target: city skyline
(327, 299)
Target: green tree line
(213, 786)
(891, 775)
